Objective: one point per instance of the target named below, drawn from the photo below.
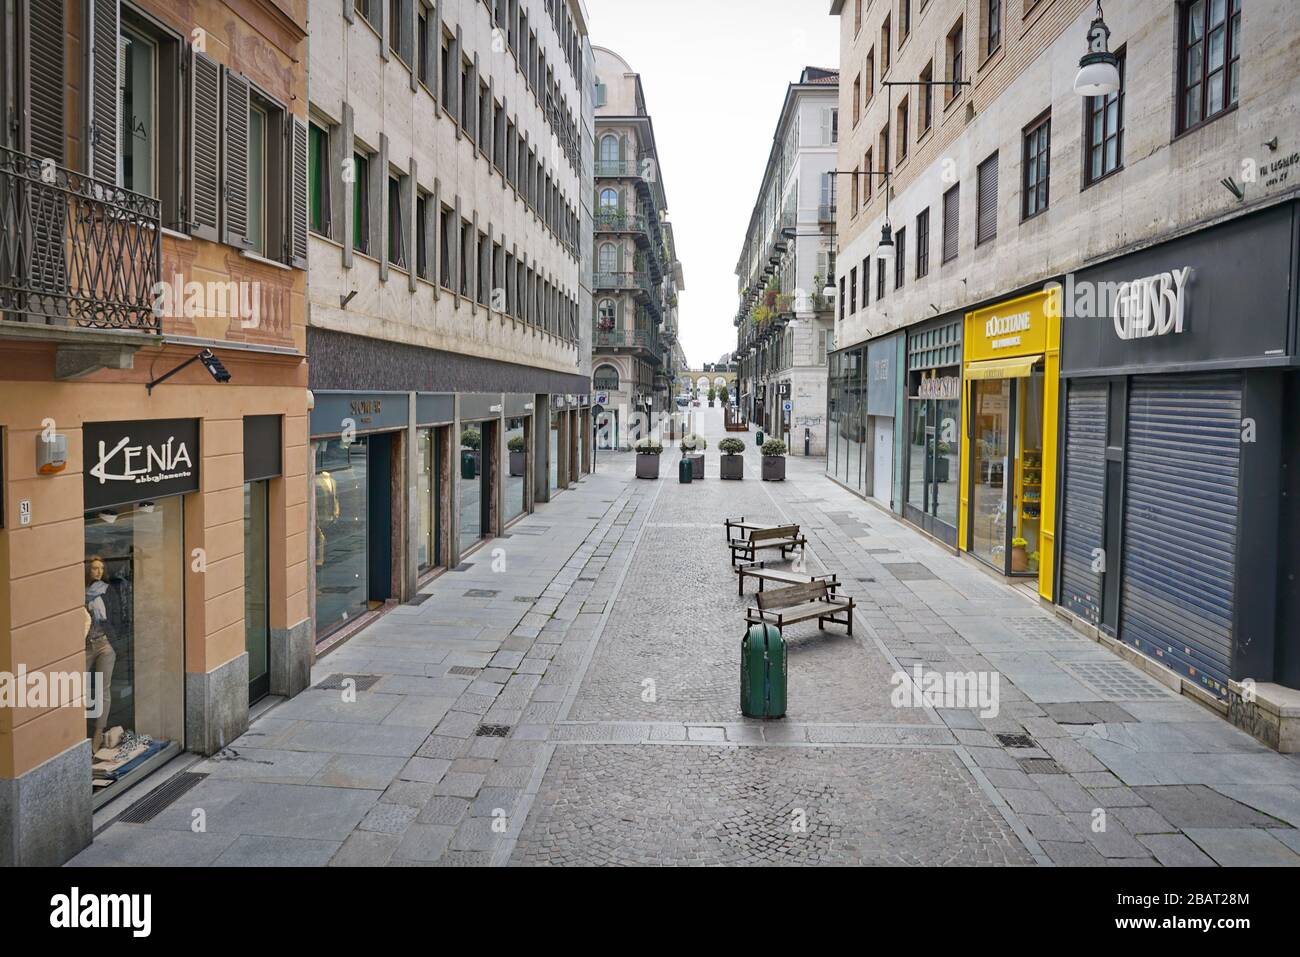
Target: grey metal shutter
(951, 222)
(1180, 523)
(1083, 513)
(986, 216)
(205, 146)
(45, 135)
(104, 90)
(298, 203)
(234, 166)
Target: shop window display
(134, 627)
(516, 474)
(472, 467)
(342, 499)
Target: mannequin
(100, 656)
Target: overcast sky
(715, 74)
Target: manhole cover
(1117, 681)
(493, 730)
(335, 682)
(465, 671)
(1040, 766)
(149, 806)
(1016, 741)
(481, 593)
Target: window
(369, 9)
(986, 200)
(1103, 131)
(884, 146)
(448, 75)
(900, 257)
(835, 126)
(605, 379)
(951, 222)
(608, 258)
(149, 98)
(397, 28)
(255, 234)
(870, 175)
(857, 16)
(923, 243)
(422, 204)
(870, 89)
(854, 192)
(318, 181)
(602, 93)
(607, 315)
(1038, 141)
(466, 256)
(866, 282)
(901, 126)
(446, 243)
(880, 279)
(885, 47)
(904, 20)
(360, 203)
(993, 28)
(396, 231)
(927, 97)
(608, 152)
(842, 300)
(853, 289)
(1209, 53)
(608, 200)
(423, 57)
(955, 63)
(857, 98)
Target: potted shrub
(773, 460)
(1019, 555)
(713, 395)
(723, 394)
(732, 463)
(518, 455)
(470, 440)
(647, 457)
(693, 446)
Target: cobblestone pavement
(570, 697)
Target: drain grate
(1117, 681)
(151, 805)
(481, 593)
(419, 599)
(335, 682)
(493, 730)
(1016, 741)
(526, 598)
(1044, 628)
(1040, 766)
(465, 671)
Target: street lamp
(886, 248)
(1098, 68)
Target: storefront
(1181, 398)
(480, 470)
(519, 443)
(862, 407)
(933, 420)
(263, 467)
(1011, 381)
(435, 415)
(846, 426)
(881, 373)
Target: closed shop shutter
(1180, 523)
(1083, 514)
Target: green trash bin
(762, 673)
(685, 471)
(758, 438)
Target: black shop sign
(128, 462)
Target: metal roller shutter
(1083, 514)
(1180, 523)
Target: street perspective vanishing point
(375, 492)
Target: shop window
(1209, 60)
(429, 457)
(475, 462)
(134, 619)
(342, 520)
(517, 473)
(1034, 191)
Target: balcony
(618, 221)
(639, 282)
(641, 341)
(79, 263)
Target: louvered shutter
(951, 222)
(205, 146)
(104, 90)
(234, 165)
(1083, 515)
(298, 203)
(986, 216)
(44, 133)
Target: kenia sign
(146, 459)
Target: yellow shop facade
(1010, 394)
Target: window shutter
(951, 202)
(341, 145)
(826, 126)
(104, 90)
(298, 204)
(986, 219)
(234, 166)
(205, 146)
(44, 132)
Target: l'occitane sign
(1018, 327)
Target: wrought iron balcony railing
(625, 339)
(637, 280)
(617, 221)
(75, 251)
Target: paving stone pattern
(511, 720)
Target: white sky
(715, 74)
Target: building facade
(450, 152)
(637, 275)
(153, 392)
(1097, 297)
(785, 320)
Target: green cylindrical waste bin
(685, 471)
(758, 438)
(762, 673)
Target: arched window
(606, 314)
(609, 148)
(605, 379)
(609, 199)
(608, 258)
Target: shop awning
(1018, 368)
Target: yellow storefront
(1010, 391)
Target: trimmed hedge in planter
(732, 463)
(773, 460)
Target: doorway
(257, 585)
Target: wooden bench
(788, 606)
(761, 573)
(744, 526)
(784, 537)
